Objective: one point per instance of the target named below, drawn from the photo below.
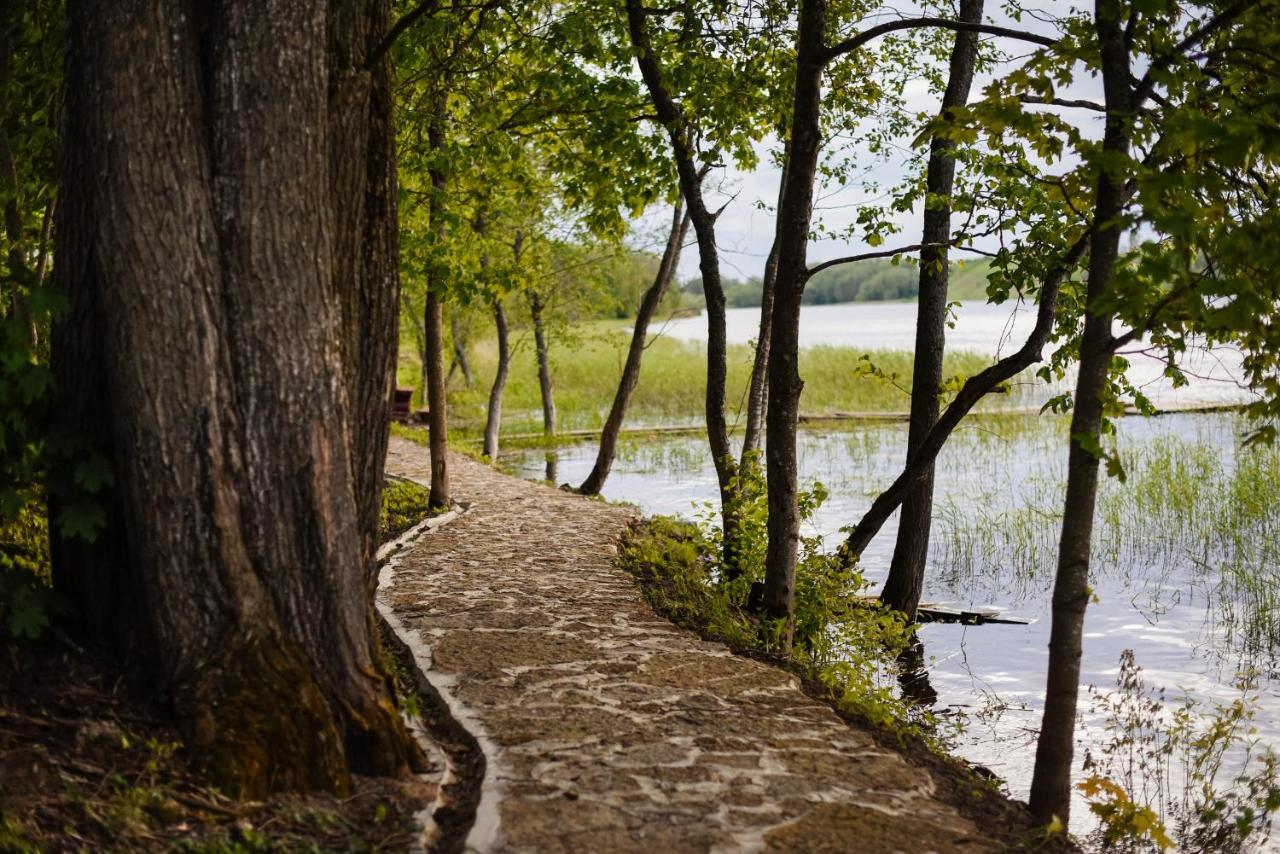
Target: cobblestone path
(608, 729)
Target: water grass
(587, 362)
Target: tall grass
(1195, 516)
(587, 363)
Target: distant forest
(866, 281)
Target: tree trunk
(433, 319)
(905, 582)
(207, 352)
(758, 390)
(437, 404)
(1051, 782)
(974, 389)
(493, 424)
(460, 361)
(635, 353)
(680, 134)
(792, 240)
(544, 364)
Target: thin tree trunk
(905, 582)
(1051, 781)
(681, 137)
(493, 423)
(433, 319)
(758, 391)
(544, 364)
(233, 562)
(460, 361)
(635, 353)
(792, 239)
(46, 240)
(437, 404)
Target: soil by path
(609, 729)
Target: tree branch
(407, 20)
(871, 34)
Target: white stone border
(483, 835)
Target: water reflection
(913, 675)
(1186, 570)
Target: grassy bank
(587, 363)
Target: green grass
(587, 363)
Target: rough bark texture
(207, 353)
(680, 134)
(792, 241)
(493, 420)
(905, 581)
(1051, 782)
(437, 402)
(635, 353)
(366, 251)
(433, 320)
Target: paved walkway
(609, 729)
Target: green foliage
(1191, 778)
(843, 642)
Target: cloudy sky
(745, 230)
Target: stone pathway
(607, 728)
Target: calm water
(1185, 568)
(992, 330)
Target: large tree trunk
(905, 582)
(1051, 782)
(635, 353)
(207, 352)
(792, 241)
(433, 318)
(493, 423)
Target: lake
(994, 330)
(1186, 566)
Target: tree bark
(1051, 781)
(758, 390)
(974, 389)
(13, 230)
(460, 361)
(791, 240)
(543, 347)
(208, 353)
(635, 353)
(437, 398)
(493, 423)
(680, 134)
(905, 582)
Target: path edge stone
(462, 802)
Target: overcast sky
(745, 231)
